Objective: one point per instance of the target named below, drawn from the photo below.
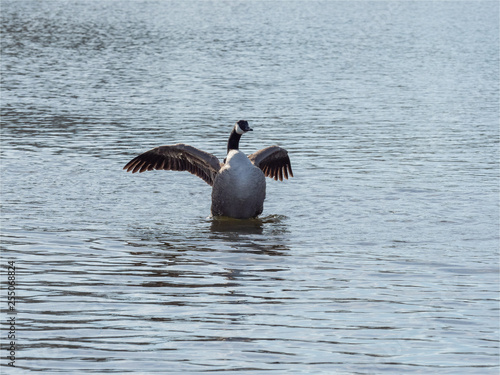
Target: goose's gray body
(239, 186)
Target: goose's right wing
(273, 161)
(179, 157)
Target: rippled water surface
(379, 256)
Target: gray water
(379, 256)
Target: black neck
(234, 141)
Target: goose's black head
(242, 127)
(239, 129)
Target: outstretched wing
(179, 157)
(273, 161)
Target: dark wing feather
(273, 161)
(179, 157)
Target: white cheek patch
(238, 129)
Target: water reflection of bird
(239, 186)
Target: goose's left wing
(179, 157)
(273, 161)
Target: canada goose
(239, 186)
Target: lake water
(381, 255)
